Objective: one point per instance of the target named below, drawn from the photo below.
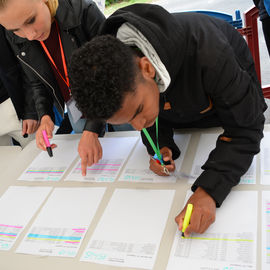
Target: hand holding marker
(187, 218)
(47, 142)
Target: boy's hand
(46, 124)
(89, 150)
(203, 215)
(167, 157)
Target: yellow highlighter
(187, 218)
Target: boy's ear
(146, 67)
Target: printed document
(137, 168)
(17, 206)
(130, 229)
(45, 168)
(61, 225)
(265, 230)
(229, 243)
(115, 153)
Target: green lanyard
(155, 148)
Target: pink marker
(48, 145)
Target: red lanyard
(66, 79)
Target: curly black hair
(101, 72)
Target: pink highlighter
(48, 145)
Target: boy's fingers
(84, 165)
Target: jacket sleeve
(238, 100)
(29, 109)
(92, 19)
(96, 126)
(11, 76)
(36, 92)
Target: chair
(237, 23)
(251, 32)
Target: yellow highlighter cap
(187, 217)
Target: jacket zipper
(43, 81)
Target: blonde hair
(52, 5)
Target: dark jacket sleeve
(12, 79)
(43, 98)
(96, 126)
(92, 19)
(237, 98)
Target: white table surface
(9, 260)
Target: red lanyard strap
(66, 79)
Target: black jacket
(213, 83)
(78, 21)
(11, 81)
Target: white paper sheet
(207, 143)
(265, 230)
(45, 168)
(115, 153)
(137, 168)
(265, 159)
(130, 229)
(228, 244)
(62, 223)
(17, 206)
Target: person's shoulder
(75, 4)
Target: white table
(9, 260)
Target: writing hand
(46, 124)
(167, 157)
(203, 215)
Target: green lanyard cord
(155, 148)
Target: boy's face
(140, 108)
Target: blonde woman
(43, 34)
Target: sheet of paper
(17, 206)
(115, 153)
(265, 159)
(62, 223)
(130, 229)
(137, 168)
(206, 144)
(229, 243)
(45, 168)
(265, 230)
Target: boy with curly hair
(187, 69)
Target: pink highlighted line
(99, 169)
(44, 171)
(72, 242)
(106, 164)
(10, 226)
(102, 169)
(7, 235)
